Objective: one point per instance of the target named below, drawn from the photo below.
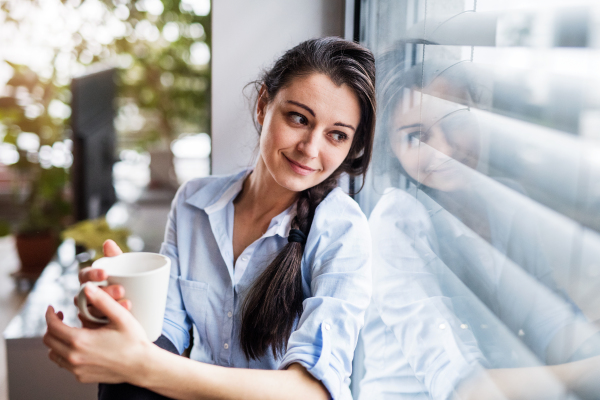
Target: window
(483, 199)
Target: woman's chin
(294, 183)
(445, 183)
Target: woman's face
(436, 141)
(307, 130)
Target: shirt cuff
(318, 365)
(177, 336)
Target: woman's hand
(117, 292)
(112, 353)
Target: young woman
(270, 267)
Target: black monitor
(92, 121)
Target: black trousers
(125, 391)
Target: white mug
(145, 278)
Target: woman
(258, 295)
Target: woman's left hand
(111, 354)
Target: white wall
(248, 36)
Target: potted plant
(46, 213)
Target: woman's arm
(120, 352)
(182, 378)
(544, 382)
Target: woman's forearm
(182, 378)
(512, 384)
(544, 382)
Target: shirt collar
(216, 189)
(230, 193)
(223, 190)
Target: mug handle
(82, 303)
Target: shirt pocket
(195, 300)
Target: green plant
(46, 208)
(92, 234)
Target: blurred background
(104, 111)
(482, 197)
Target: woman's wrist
(140, 371)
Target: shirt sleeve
(336, 272)
(411, 293)
(176, 324)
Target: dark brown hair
(274, 301)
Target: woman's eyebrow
(307, 108)
(417, 125)
(345, 125)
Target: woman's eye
(298, 118)
(339, 136)
(412, 138)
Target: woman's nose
(309, 145)
(439, 142)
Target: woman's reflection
(463, 297)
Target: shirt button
(327, 327)
(229, 314)
(226, 346)
(245, 258)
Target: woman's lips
(299, 168)
(446, 166)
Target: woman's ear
(261, 105)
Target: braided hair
(274, 301)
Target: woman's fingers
(126, 304)
(96, 313)
(58, 346)
(60, 360)
(88, 324)
(117, 292)
(92, 274)
(111, 249)
(57, 328)
(107, 305)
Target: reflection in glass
(466, 302)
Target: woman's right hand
(117, 292)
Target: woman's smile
(299, 168)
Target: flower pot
(35, 251)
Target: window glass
(483, 200)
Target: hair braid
(271, 308)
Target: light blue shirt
(206, 289)
(447, 304)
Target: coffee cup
(145, 278)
